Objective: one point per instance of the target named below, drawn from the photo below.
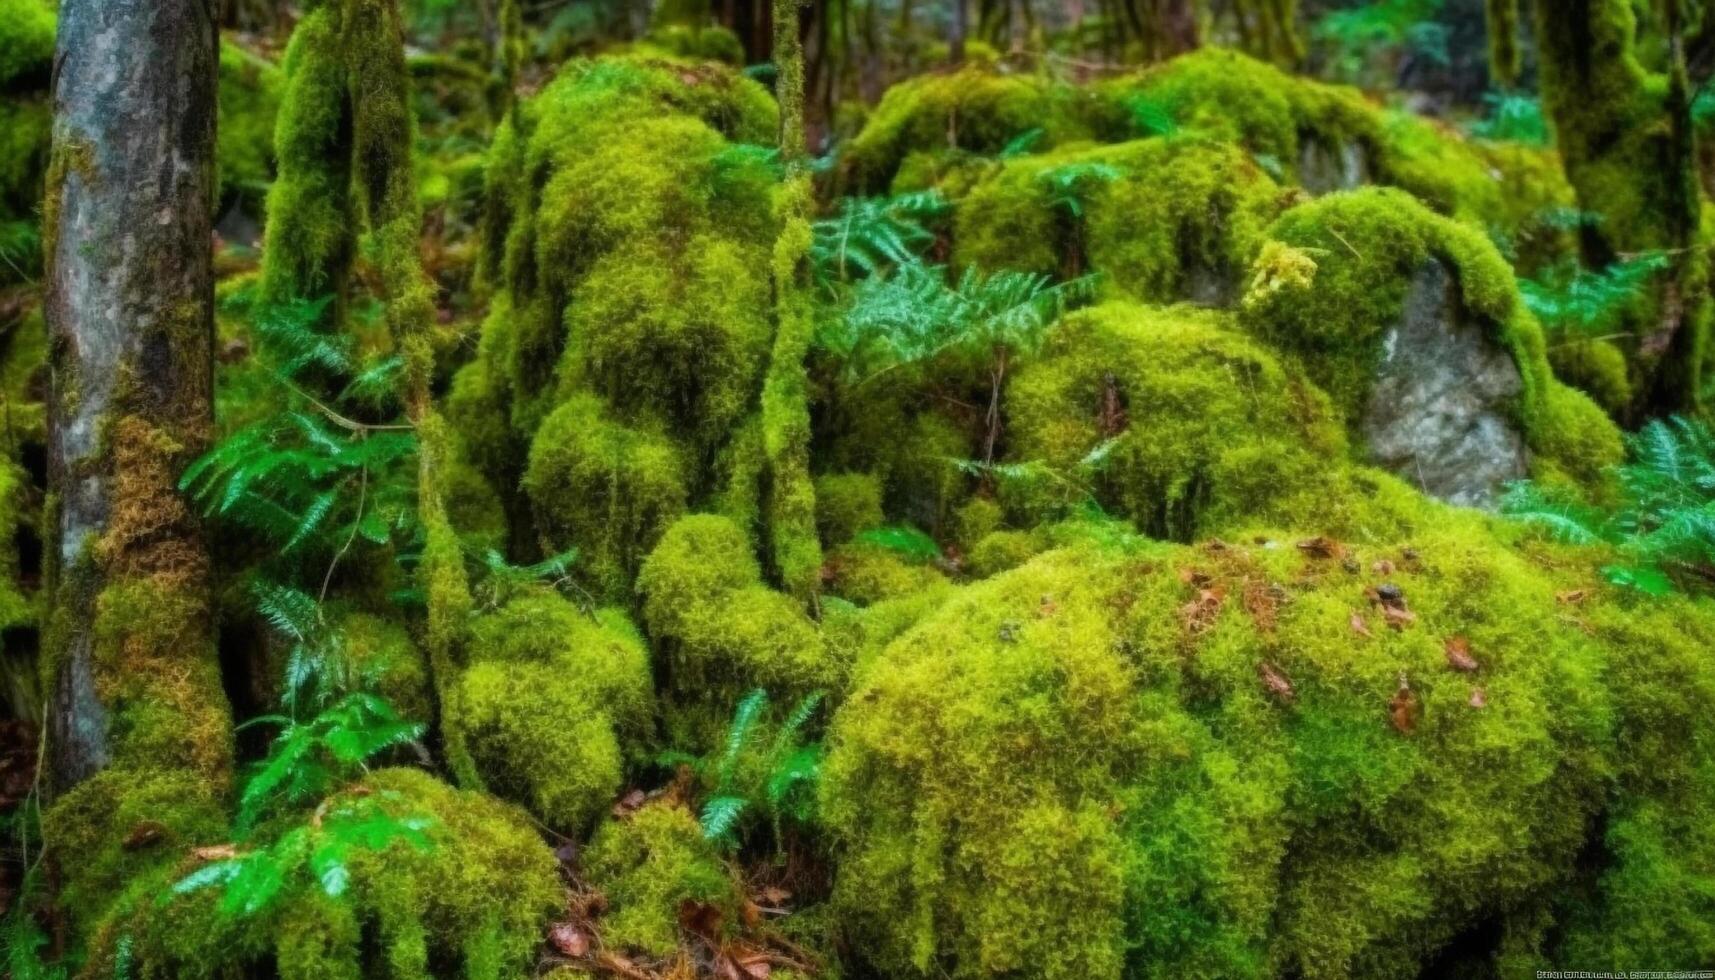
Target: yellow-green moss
(1221, 761)
(554, 705)
(249, 94)
(700, 43)
(1202, 425)
(847, 503)
(26, 41)
(1000, 551)
(604, 488)
(1595, 367)
(867, 573)
(721, 631)
(383, 659)
(1367, 245)
(649, 865)
(1161, 220)
(974, 109)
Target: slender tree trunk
(956, 40)
(130, 303)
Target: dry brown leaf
(1402, 707)
(1572, 597)
(1398, 616)
(1478, 698)
(1322, 547)
(1358, 625)
(146, 833)
(219, 852)
(1276, 682)
(1382, 567)
(1459, 655)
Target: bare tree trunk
(130, 303)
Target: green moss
(1000, 551)
(867, 573)
(1190, 761)
(705, 43)
(847, 503)
(977, 519)
(1161, 219)
(1366, 246)
(975, 109)
(649, 865)
(554, 705)
(604, 488)
(383, 659)
(1203, 426)
(249, 93)
(25, 125)
(721, 631)
(26, 41)
(1595, 367)
(474, 507)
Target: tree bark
(130, 308)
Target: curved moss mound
(628, 235)
(649, 865)
(554, 705)
(974, 110)
(472, 903)
(1330, 137)
(1285, 758)
(1197, 424)
(1333, 280)
(26, 59)
(1160, 219)
(721, 631)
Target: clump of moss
(1597, 368)
(627, 235)
(847, 503)
(974, 110)
(26, 42)
(605, 488)
(554, 705)
(473, 903)
(651, 864)
(382, 659)
(721, 630)
(1366, 246)
(865, 573)
(1160, 220)
(1000, 551)
(1200, 424)
(705, 43)
(1232, 761)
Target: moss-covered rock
(1198, 425)
(974, 109)
(554, 706)
(847, 503)
(649, 865)
(865, 573)
(1233, 761)
(1160, 219)
(1331, 294)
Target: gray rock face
(1323, 168)
(1441, 412)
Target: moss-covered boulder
(1340, 281)
(1288, 757)
(1196, 425)
(554, 706)
(1159, 219)
(973, 110)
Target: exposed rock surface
(1324, 167)
(1441, 411)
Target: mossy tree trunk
(131, 655)
(1626, 142)
(785, 393)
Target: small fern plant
(754, 774)
(869, 236)
(1663, 529)
(1573, 302)
(307, 766)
